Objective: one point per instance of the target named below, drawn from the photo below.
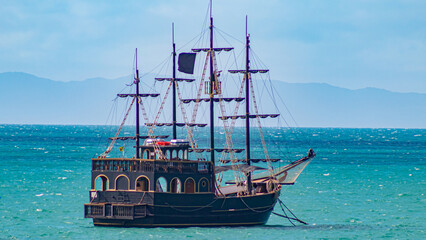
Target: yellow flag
(120, 149)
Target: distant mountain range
(27, 99)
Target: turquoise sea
(363, 184)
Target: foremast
(136, 98)
(248, 115)
(137, 107)
(174, 83)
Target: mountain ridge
(29, 99)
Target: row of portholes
(122, 182)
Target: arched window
(142, 184)
(101, 183)
(146, 154)
(161, 185)
(203, 185)
(175, 186)
(189, 185)
(122, 183)
(174, 155)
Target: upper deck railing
(149, 165)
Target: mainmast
(247, 77)
(212, 89)
(212, 79)
(137, 106)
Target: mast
(137, 106)
(174, 82)
(212, 79)
(212, 101)
(248, 157)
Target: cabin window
(161, 185)
(189, 185)
(174, 155)
(142, 184)
(122, 183)
(175, 186)
(101, 183)
(203, 185)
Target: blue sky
(351, 44)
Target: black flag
(186, 62)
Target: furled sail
(199, 150)
(250, 71)
(123, 95)
(255, 160)
(214, 99)
(226, 49)
(177, 124)
(176, 79)
(140, 137)
(250, 116)
(242, 168)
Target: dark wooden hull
(188, 210)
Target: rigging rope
(144, 114)
(265, 150)
(118, 132)
(228, 142)
(192, 210)
(240, 93)
(188, 128)
(200, 90)
(151, 130)
(254, 210)
(231, 128)
(282, 205)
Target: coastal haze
(28, 99)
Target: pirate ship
(177, 183)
